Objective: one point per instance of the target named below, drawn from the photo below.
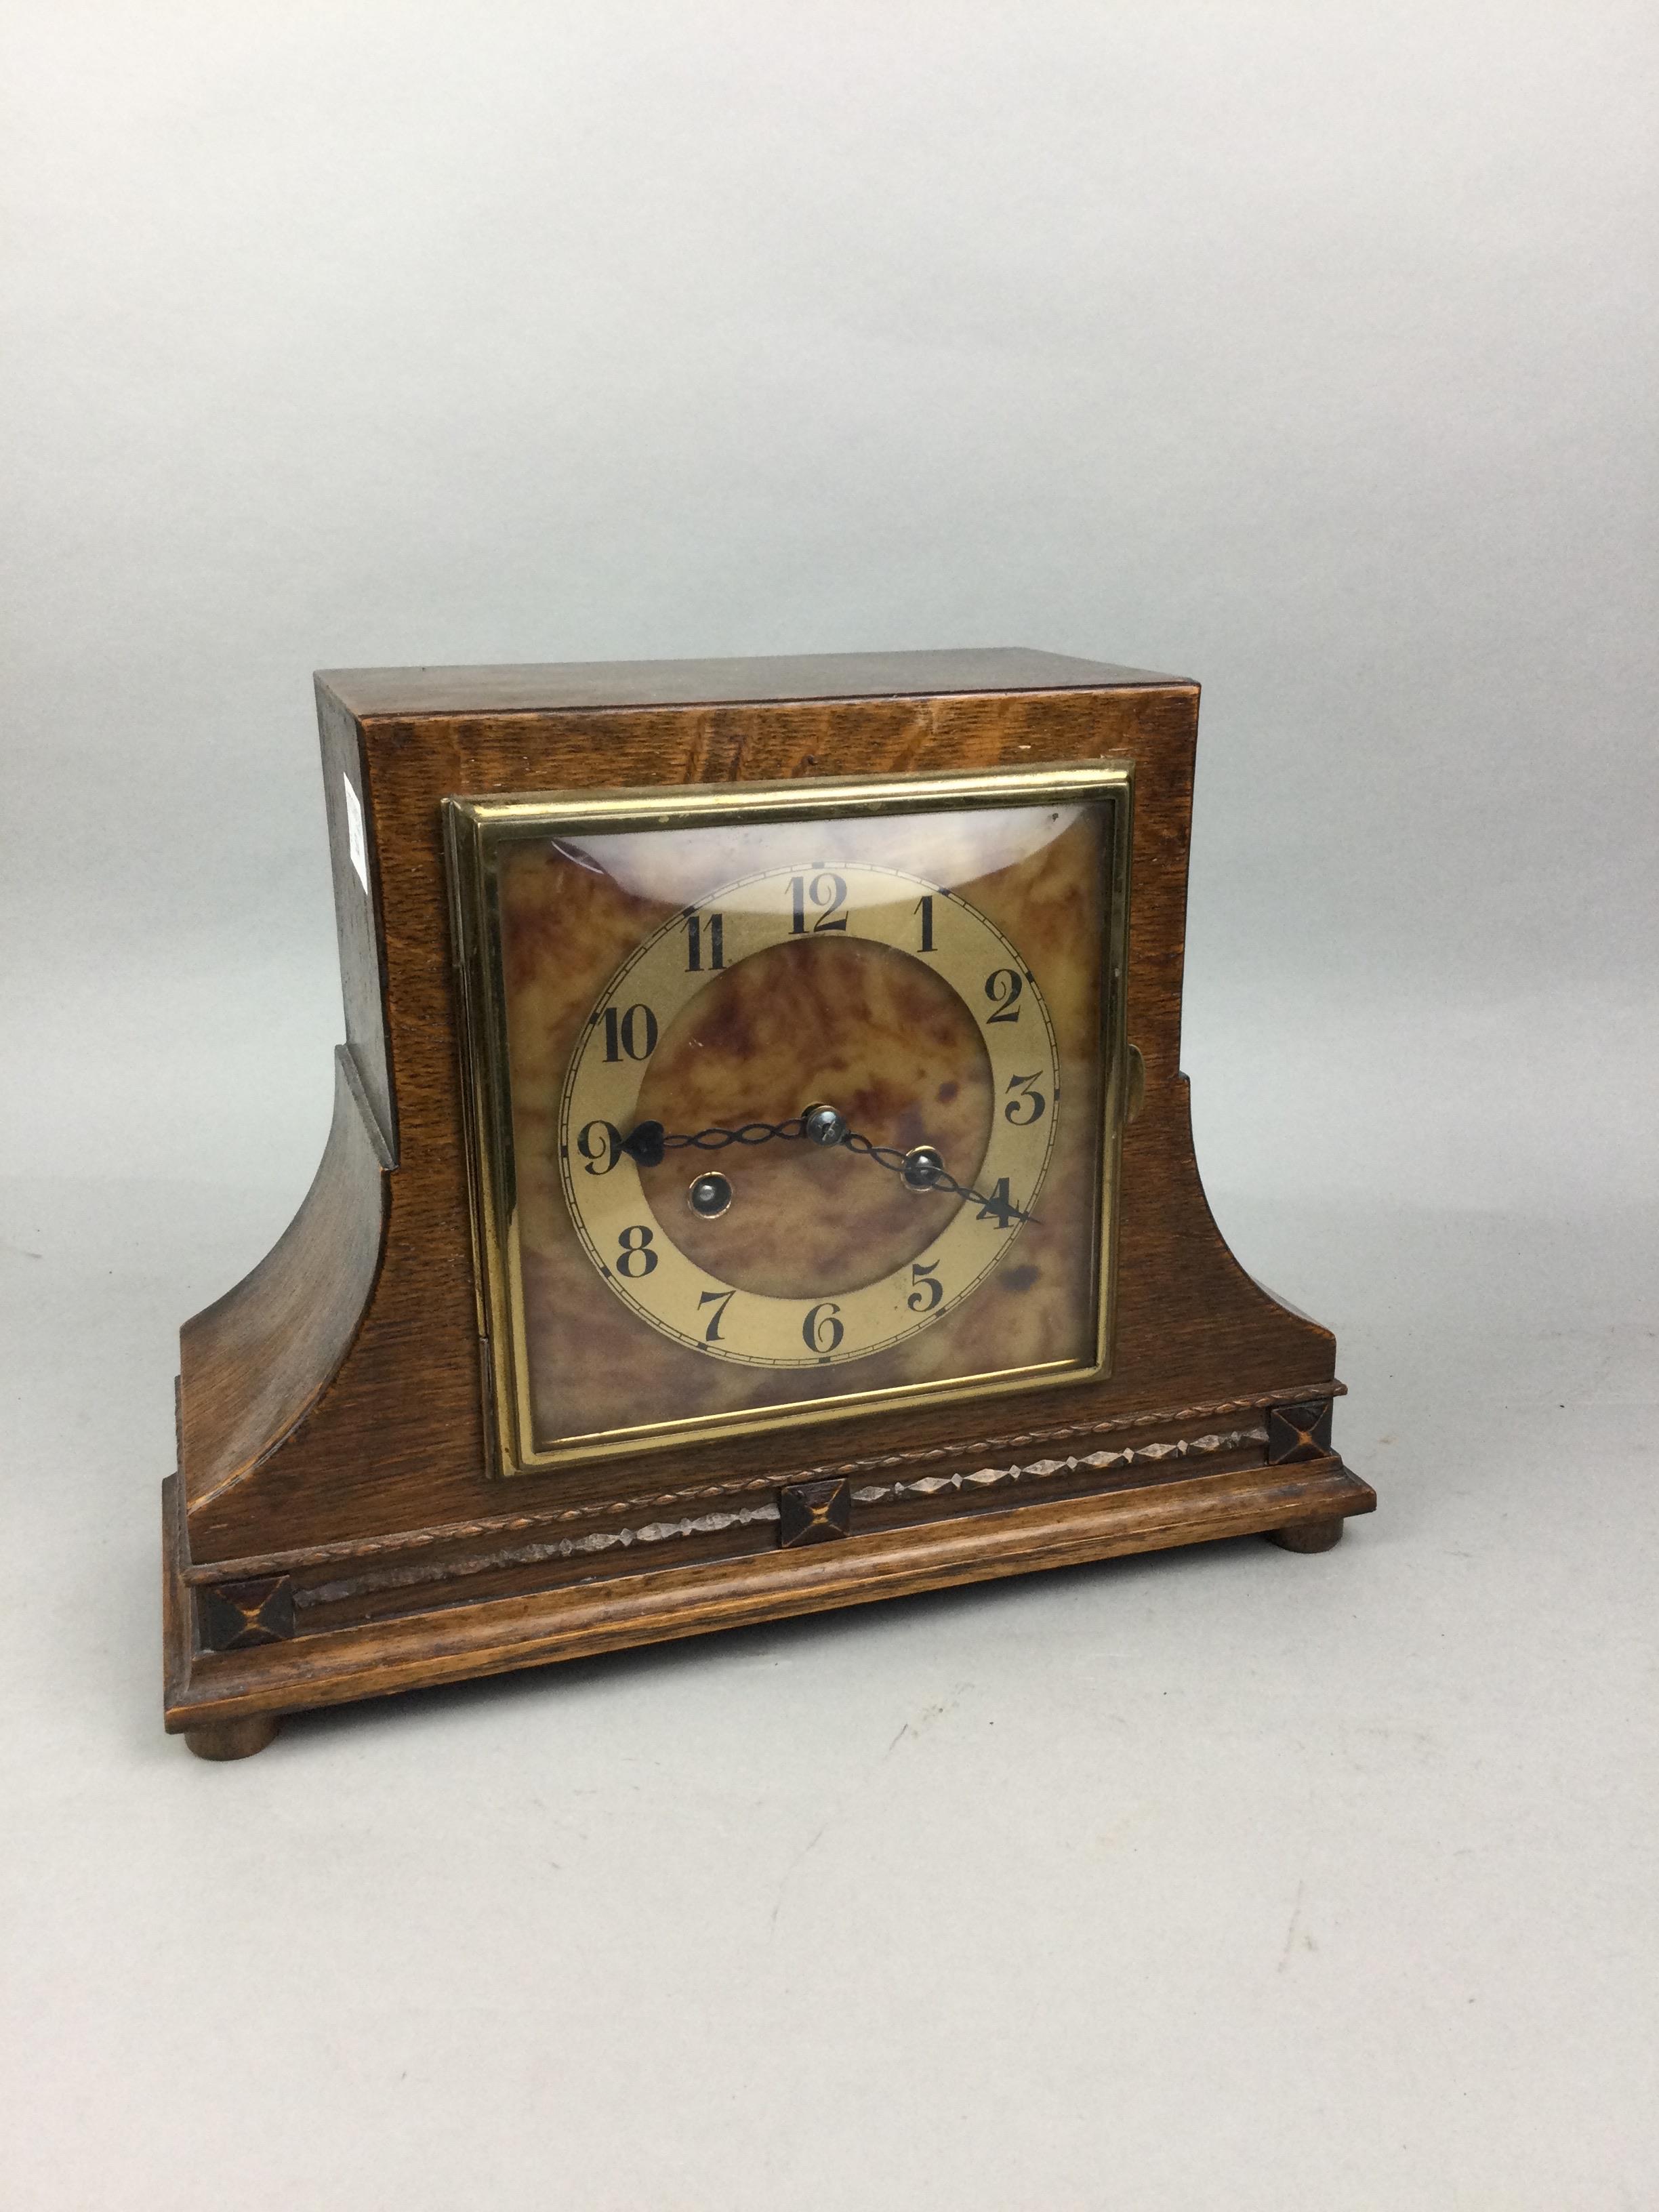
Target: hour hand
(646, 1142)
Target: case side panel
(253, 1364)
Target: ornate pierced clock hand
(921, 1168)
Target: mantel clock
(760, 1180)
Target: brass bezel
(475, 832)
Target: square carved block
(814, 1512)
(1299, 1432)
(236, 1615)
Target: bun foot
(232, 1739)
(1308, 1535)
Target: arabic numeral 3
(1025, 1104)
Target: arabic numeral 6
(822, 1331)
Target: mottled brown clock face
(802, 1112)
(883, 1037)
(829, 1002)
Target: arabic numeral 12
(825, 889)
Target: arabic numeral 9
(600, 1145)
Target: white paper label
(355, 836)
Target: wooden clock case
(333, 1532)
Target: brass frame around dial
(479, 831)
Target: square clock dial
(790, 1103)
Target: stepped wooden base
(222, 1700)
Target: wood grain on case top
(554, 687)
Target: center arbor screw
(823, 1125)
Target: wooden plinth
(208, 1690)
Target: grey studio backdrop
(1305, 350)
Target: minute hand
(648, 1141)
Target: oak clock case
(761, 1179)
(821, 1086)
